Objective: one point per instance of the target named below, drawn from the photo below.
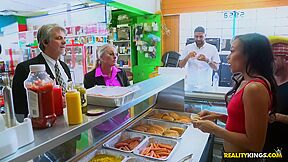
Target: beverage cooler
(149, 126)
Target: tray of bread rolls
(125, 141)
(156, 148)
(159, 128)
(172, 116)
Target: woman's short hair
(45, 33)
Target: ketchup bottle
(39, 88)
(58, 103)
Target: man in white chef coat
(200, 59)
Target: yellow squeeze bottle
(74, 111)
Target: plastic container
(15, 137)
(74, 111)
(39, 88)
(110, 96)
(58, 100)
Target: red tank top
(236, 115)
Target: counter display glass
(64, 142)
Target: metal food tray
(138, 159)
(156, 140)
(157, 111)
(103, 151)
(123, 136)
(110, 101)
(164, 124)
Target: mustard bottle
(74, 111)
(83, 96)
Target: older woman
(105, 72)
(252, 96)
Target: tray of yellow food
(172, 116)
(104, 155)
(159, 128)
(125, 141)
(156, 148)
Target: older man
(51, 39)
(278, 128)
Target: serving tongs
(186, 158)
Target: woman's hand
(206, 126)
(208, 115)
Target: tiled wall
(266, 21)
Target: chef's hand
(202, 57)
(192, 54)
(206, 126)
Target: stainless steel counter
(193, 141)
(61, 132)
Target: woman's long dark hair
(260, 61)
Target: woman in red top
(251, 97)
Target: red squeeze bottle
(58, 104)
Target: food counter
(164, 91)
(210, 93)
